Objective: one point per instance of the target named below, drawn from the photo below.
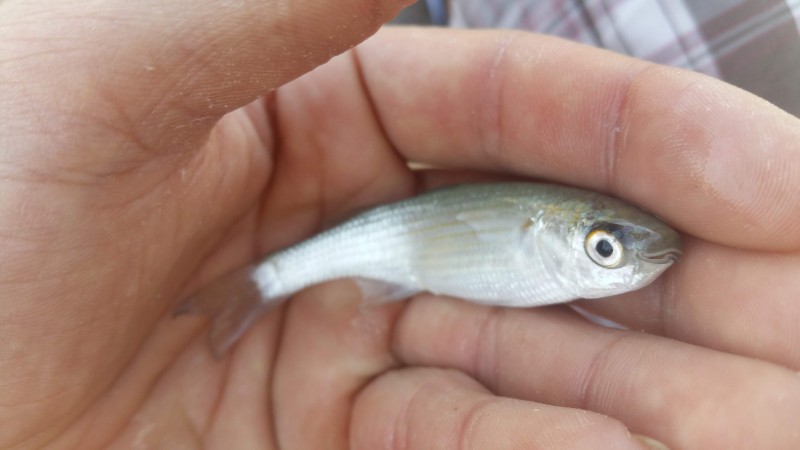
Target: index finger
(713, 160)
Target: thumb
(163, 72)
(103, 87)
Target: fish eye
(604, 248)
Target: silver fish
(509, 244)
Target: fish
(512, 244)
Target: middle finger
(429, 408)
(680, 394)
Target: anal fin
(234, 301)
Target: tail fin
(235, 302)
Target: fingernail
(650, 443)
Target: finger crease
(485, 364)
(492, 104)
(585, 392)
(470, 421)
(618, 136)
(667, 301)
(401, 428)
(361, 77)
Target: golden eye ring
(604, 249)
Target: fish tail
(234, 301)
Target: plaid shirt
(754, 44)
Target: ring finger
(681, 394)
(443, 409)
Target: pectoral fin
(376, 292)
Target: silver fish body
(509, 244)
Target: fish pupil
(604, 248)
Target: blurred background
(753, 44)
(416, 14)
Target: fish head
(613, 247)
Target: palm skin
(124, 191)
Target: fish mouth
(668, 256)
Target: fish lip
(667, 256)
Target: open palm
(132, 175)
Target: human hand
(122, 194)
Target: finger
(677, 393)
(162, 74)
(713, 160)
(330, 348)
(333, 160)
(430, 408)
(737, 301)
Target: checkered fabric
(754, 44)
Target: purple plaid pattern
(754, 44)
